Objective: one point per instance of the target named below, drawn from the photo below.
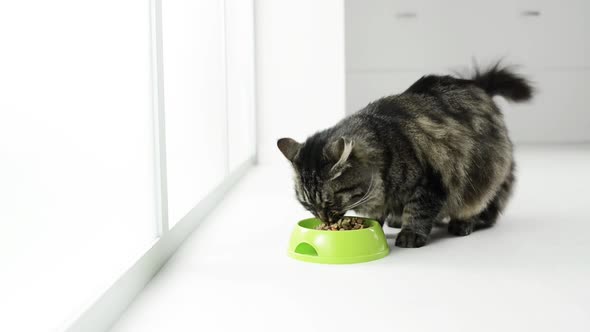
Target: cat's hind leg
(486, 218)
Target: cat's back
(452, 126)
(435, 94)
(443, 106)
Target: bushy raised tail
(502, 81)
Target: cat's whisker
(365, 197)
(361, 202)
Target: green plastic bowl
(337, 247)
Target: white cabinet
(384, 34)
(553, 34)
(558, 113)
(391, 43)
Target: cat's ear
(289, 147)
(339, 151)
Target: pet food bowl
(337, 247)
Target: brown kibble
(344, 224)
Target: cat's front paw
(407, 238)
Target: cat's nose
(334, 217)
(322, 215)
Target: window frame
(103, 311)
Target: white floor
(529, 273)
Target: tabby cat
(438, 150)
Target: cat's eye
(344, 190)
(355, 196)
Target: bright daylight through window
(80, 162)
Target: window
(239, 25)
(194, 79)
(205, 71)
(116, 120)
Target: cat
(438, 150)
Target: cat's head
(331, 176)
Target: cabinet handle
(406, 15)
(530, 13)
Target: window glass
(240, 85)
(77, 193)
(194, 90)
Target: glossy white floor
(529, 273)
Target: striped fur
(438, 150)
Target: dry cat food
(344, 224)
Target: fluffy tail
(501, 81)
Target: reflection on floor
(530, 272)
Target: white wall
(392, 43)
(300, 69)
